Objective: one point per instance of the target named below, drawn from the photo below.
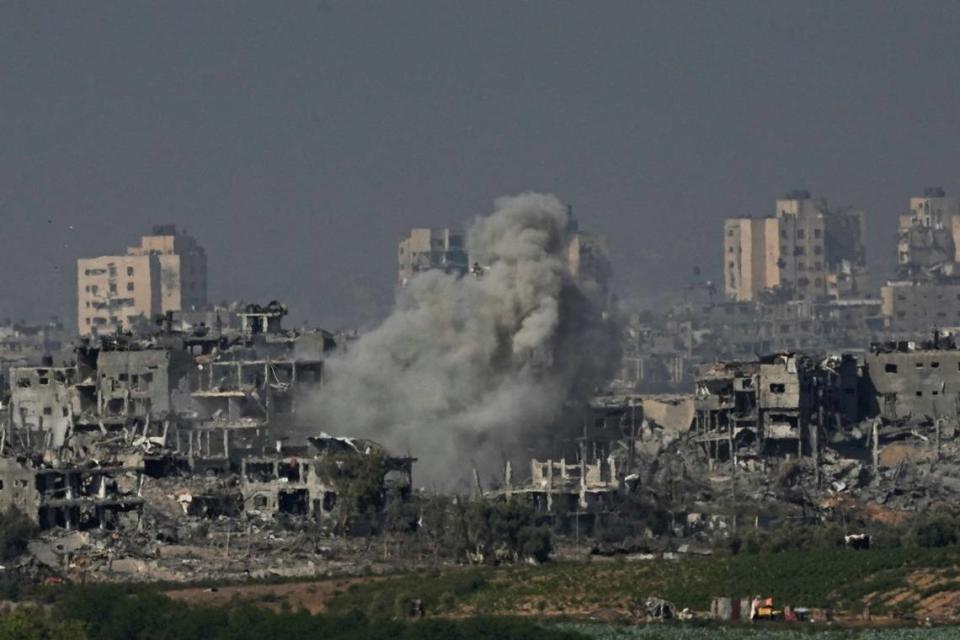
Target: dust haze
(470, 370)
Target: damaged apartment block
(567, 488)
(43, 402)
(219, 400)
(320, 482)
(779, 405)
(74, 496)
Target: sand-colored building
(166, 272)
(751, 249)
(806, 249)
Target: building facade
(802, 246)
(911, 381)
(183, 267)
(805, 250)
(751, 249)
(919, 306)
(929, 233)
(426, 249)
(166, 272)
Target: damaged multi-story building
(915, 381)
(780, 404)
(926, 293)
(577, 488)
(78, 496)
(426, 249)
(43, 403)
(660, 354)
(928, 236)
(218, 398)
(314, 481)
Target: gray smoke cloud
(465, 368)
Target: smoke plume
(468, 369)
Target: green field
(679, 632)
(553, 601)
(838, 579)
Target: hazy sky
(297, 141)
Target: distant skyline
(298, 142)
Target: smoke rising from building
(466, 370)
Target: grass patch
(439, 591)
(684, 632)
(840, 579)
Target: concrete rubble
(181, 455)
(779, 439)
(184, 454)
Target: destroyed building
(915, 381)
(780, 404)
(566, 489)
(314, 483)
(661, 352)
(26, 345)
(140, 382)
(71, 497)
(220, 399)
(43, 403)
(928, 233)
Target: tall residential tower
(166, 272)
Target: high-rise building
(802, 241)
(426, 249)
(929, 233)
(751, 250)
(588, 260)
(806, 250)
(166, 272)
(927, 293)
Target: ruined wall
(779, 386)
(915, 384)
(18, 488)
(919, 307)
(42, 399)
(140, 382)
